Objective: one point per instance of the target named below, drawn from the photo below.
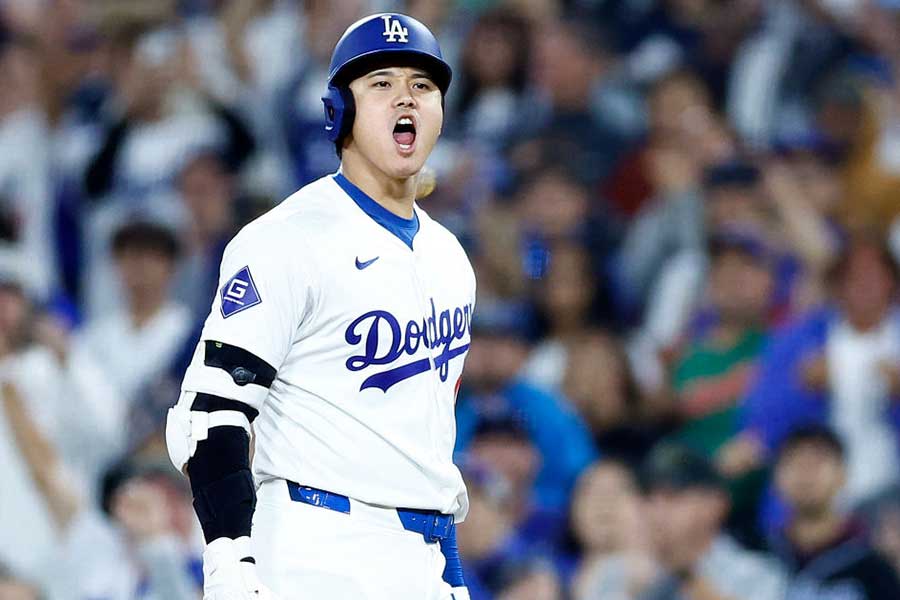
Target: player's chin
(402, 165)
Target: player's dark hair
(148, 237)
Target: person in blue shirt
(839, 365)
(492, 386)
(507, 535)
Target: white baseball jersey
(367, 319)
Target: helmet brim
(437, 70)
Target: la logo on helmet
(394, 31)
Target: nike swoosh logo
(363, 265)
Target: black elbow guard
(222, 484)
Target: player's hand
(227, 577)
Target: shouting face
(398, 119)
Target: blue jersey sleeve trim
(404, 229)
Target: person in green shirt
(711, 374)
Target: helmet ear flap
(339, 112)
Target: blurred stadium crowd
(685, 376)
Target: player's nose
(405, 99)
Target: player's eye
(422, 85)
(382, 84)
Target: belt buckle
(438, 527)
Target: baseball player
(339, 331)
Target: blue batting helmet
(392, 37)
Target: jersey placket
(425, 297)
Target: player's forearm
(222, 484)
(210, 434)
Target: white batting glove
(226, 576)
(459, 593)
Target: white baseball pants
(311, 552)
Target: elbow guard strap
(453, 573)
(223, 488)
(191, 420)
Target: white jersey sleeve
(265, 292)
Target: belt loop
(428, 532)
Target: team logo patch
(394, 31)
(239, 293)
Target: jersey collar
(404, 229)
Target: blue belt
(432, 525)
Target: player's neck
(395, 194)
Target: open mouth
(405, 133)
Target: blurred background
(684, 381)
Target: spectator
(837, 365)
(565, 297)
(711, 374)
(208, 191)
(140, 541)
(492, 386)
(39, 498)
(59, 428)
(735, 201)
(599, 384)
(671, 225)
(159, 115)
(552, 206)
(687, 506)
(137, 343)
(152, 507)
(494, 104)
(550, 209)
(616, 555)
(26, 197)
(660, 170)
(825, 550)
(249, 50)
(573, 67)
(145, 144)
(501, 463)
(806, 190)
